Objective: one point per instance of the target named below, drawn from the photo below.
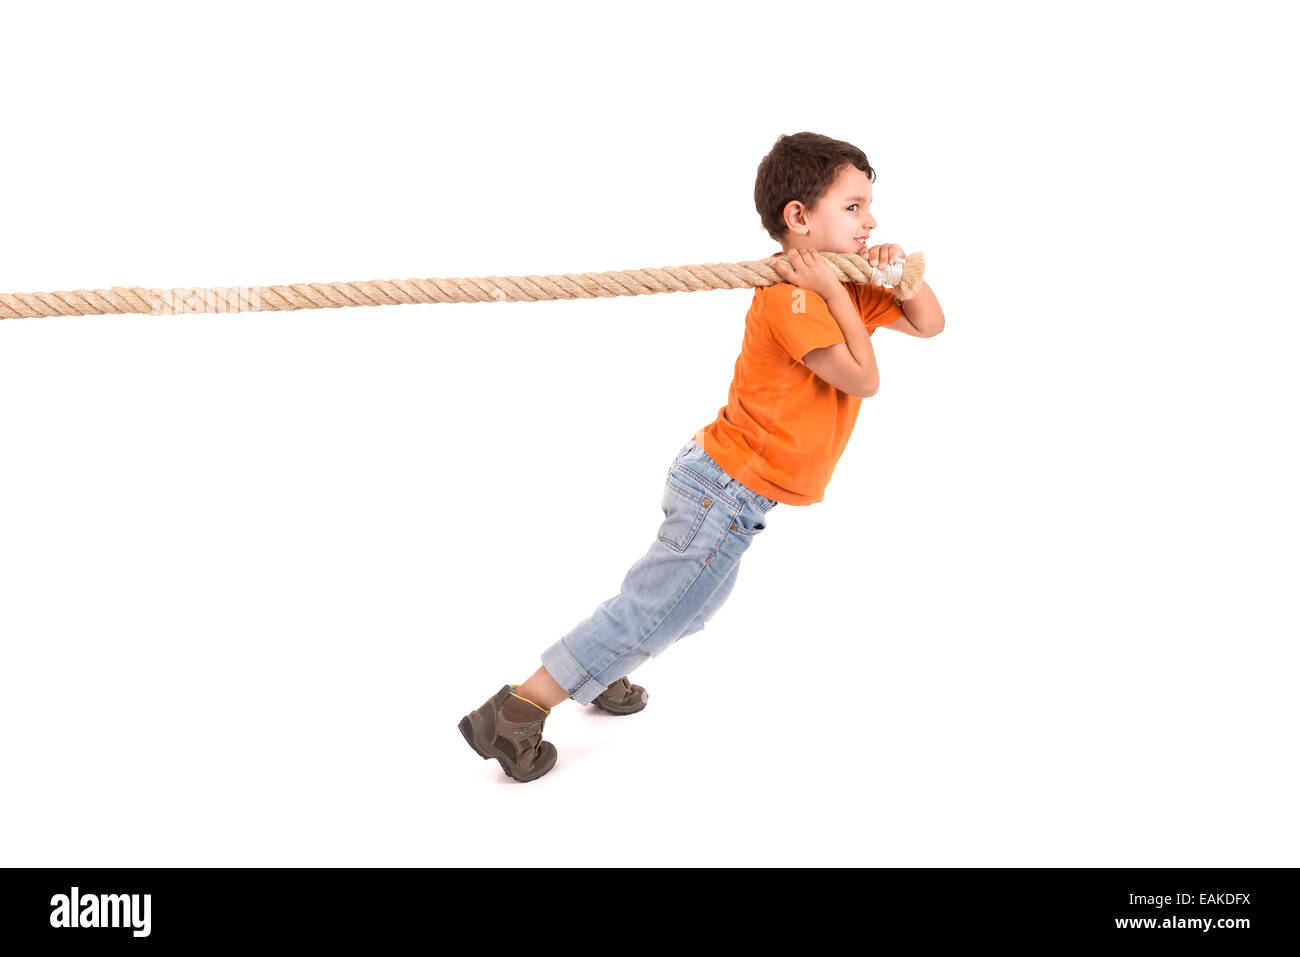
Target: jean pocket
(685, 508)
(746, 524)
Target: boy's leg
(713, 604)
(542, 689)
(547, 692)
(670, 591)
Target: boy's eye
(854, 206)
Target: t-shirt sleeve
(799, 323)
(876, 305)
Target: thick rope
(848, 267)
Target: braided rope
(848, 267)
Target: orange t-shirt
(784, 427)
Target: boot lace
(531, 741)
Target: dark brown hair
(801, 166)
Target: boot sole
(467, 731)
(604, 707)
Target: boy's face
(838, 221)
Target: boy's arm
(848, 318)
(901, 324)
(923, 312)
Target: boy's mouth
(861, 241)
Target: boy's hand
(807, 270)
(884, 254)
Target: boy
(805, 365)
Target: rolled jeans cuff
(570, 675)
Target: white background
(254, 569)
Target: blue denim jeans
(710, 520)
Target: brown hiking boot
(509, 728)
(622, 697)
